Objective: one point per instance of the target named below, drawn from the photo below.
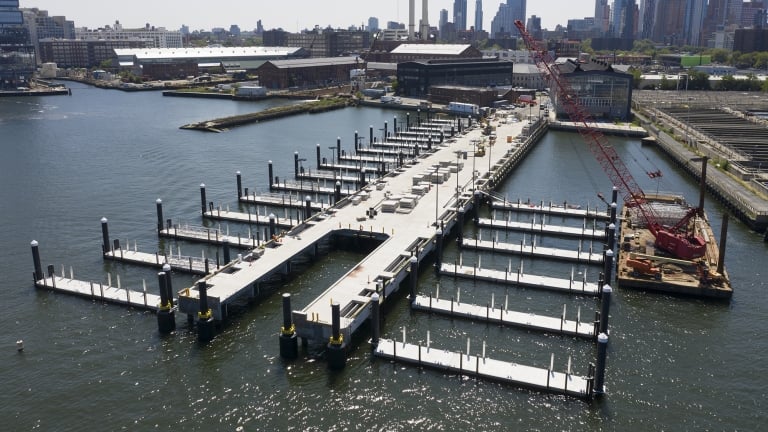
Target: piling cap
(308, 198)
(338, 183)
(159, 201)
(202, 185)
(271, 215)
(270, 162)
(103, 220)
(607, 288)
(34, 243)
(414, 260)
(286, 295)
(613, 205)
(375, 297)
(602, 338)
(612, 226)
(439, 232)
(609, 253)
(237, 172)
(166, 267)
(296, 153)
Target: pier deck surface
(492, 314)
(251, 218)
(283, 200)
(524, 280)
(96, 291)
(409, 231)
(550, 209)
(193, 265)
(543, 228)
(207, 235)
(531, 250)
(472, 365)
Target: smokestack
(424, 20)
(412, 20)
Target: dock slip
(483, 367)
(185, 264)
(534, 251)
(218, 213)
(541, 227)
(207, 235)
(98, 291)
(524, 280)
(283, 200)
(551, 209)
(500, 315)
(409, 232)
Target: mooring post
(394, 126)
(615, 194)
(160, 220)
(429, 143)
(272, 226)
(414, 278)
(439, 256)
(605, 308)
(225, 247)
(168, 283)
(418, 117)
(203, 201)
(386, 130)
(289, 341)
(105, 246)
(239, 178)
(703, 184)
(166, 319)
(307, 207)
(357, 139)
(613, 215)
(317, 154)
(723, 237)
(36, 261)
(407, 121)
(337, 193)
(375, 320)
(476, 205)
(271, 176)
(611, 236)
(460, 228)
(362, 178)
(370, 135)
(296, 165)
(608, 266)
(204, 317)
(337, 357)
(602, 352)
(338, 149)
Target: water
(673, 364)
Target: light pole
(437, 194)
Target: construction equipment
(644, 267)
(678, 240)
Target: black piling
(36, 261)
(337, 357)
(723, 237)
(386, 131)
(375, 320)
(307, 207)
(362, 178)
(272, 225)
(418, 117)
(613, 217)
(239, 184)
(204, 317)
(271, 176)
(338, 147)
(337, 192)
(159, 206)
(370, 135)
(227, 253)
(394, 126)
(615, 195)
(317, 156)
(703, 184)
(357, 140)
(602, 352)
(611, 236)
(476, 205)
(203, 201)
(439, 255)
(460, 228)
(605, 308)
(608, 266)
(429, 143)
(105, 244)
(168, 283)
(166, 318)
(414, 278)
(407, 121)
(289, 341)
(296, 165)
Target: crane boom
(679, 244)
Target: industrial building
(170, 63)
(528, 76)
(73, 53)
(321, 42)
(480, 96)
(311, 72)
(416, 52)
(600, 88)
(416, 77)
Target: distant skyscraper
(534, 27)
(460, 14)
(504, 21)
(648, 11)
(373, 24)
(670, 22)
(602, 15)
(479, 15)
(694, 20)
(443, 21)
(518, 10)
(623, 23)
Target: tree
(719, 55)
(698, 80)
(637, 77)
(727, 83)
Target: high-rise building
(695, 12)
(504, 21)
(602, 16)
(43, 26)
(623, 23)
(443, 22)
(648, 9)
(16, 49)
(460, 14)
(479, 15)
(534, 26)
(373, 24)
(160, 37)
(669, 27)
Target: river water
(673, 363)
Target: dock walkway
(550, 209)
(534, 251)
(542, 228)
(98, 291)
(521, 279)
(207, 235)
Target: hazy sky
(291, 15)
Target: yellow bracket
(288, 331)
(338, 341)
(206, 315)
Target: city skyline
(171, 13)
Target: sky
(291, 15)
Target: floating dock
(584, 232)
(521, 279)
(550, 209)
(534, 251)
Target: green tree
(698, 80)
(727, 83)
(637, 77)
(719, 55)
(586, 46)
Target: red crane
(676, 240)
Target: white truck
(464, 108)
